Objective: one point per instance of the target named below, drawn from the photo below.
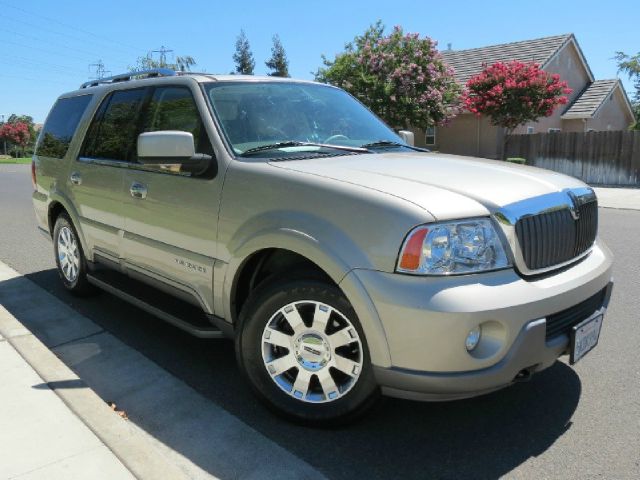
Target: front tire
(303, 350)
(70, 259)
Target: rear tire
(309, 330)
(70, 259)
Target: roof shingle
(467, 63)
(588, 102)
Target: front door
(171, 216)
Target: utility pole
(163, 55)
(100, 71)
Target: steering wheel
(333, 138)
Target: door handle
(138, 190)
(75, 178)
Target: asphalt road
(581, 422)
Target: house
(593, 104)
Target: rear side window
(61, 125)
(112, 134)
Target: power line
(42, 50)
(74, 27)
(54, 32)
(49, 42)
(37, 63)
(32, 79)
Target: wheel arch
(307, 253)
(59, 204)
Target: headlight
(465, 246)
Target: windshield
(287, 115)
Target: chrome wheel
(312, 351)
(68, 254)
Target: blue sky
(46, 47)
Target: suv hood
(447, 186)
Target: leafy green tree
(401, 77)
(243, 56)
(181, 64)
(630, 64)
(278, 63)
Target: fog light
(473, 338)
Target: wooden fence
(599, 158)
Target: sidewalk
(52, 424)
(40, 438)
(625, 198)
(172, 431)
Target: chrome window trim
(507, 217)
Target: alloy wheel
(312, 351)
(68, 254)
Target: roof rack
(124, 77)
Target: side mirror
(164, 147)
(407, 136)
(171, 147)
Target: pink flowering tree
(400, 77)
(514, 93)
(15, 133)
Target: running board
(170, 309)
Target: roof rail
(124, 77)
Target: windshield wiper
(277, 145)
(389, 143)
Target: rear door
(56, 149)
(170, 215)
(97, 178)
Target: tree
(514, 93)
(278, 63)
(13, 118)
(16, 133)
(631, 66)
(400, 77)
(181, 64)
(243, 56)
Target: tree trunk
(505, 142)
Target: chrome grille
(554, 237)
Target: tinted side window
(61, 125)
(112, 134)
(173, 108)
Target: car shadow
(485, 437)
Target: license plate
(584, 337)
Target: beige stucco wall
(466, 135)
(612, 115)
(576, 125)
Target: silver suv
(343, 261)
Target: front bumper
(426, 320)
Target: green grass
(15, 160)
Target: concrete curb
(122, 438)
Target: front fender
(326, 255)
